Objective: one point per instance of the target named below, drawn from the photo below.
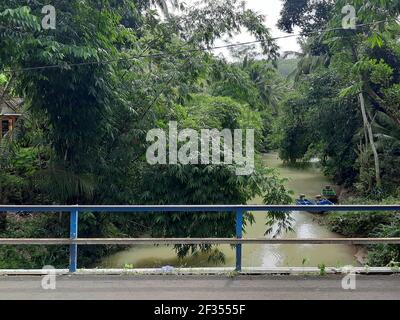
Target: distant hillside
(287, 66)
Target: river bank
(373, 224)
(307, 180)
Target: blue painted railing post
(73, 234)
(239, 234)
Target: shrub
(386, 254)
(359, 224)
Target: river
(301, 180)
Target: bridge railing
(73, 241)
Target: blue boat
(324, 202)
(319, 201)
(304, 202)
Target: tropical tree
(365, 51)
(93, 88)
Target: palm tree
(270, 87)
(308, 62)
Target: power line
(162, 55)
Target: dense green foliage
(111, 71)
(94, 86)
(342, 110)
(370, 224)
(344, 107)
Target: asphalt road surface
(169, 287)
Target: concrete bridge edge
(207, 271)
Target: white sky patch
(271, 9)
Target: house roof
(10, 106)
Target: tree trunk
(371, 140)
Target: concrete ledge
(206, 271)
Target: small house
(9, 114)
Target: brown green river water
(309, 181)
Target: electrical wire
(174, 54)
